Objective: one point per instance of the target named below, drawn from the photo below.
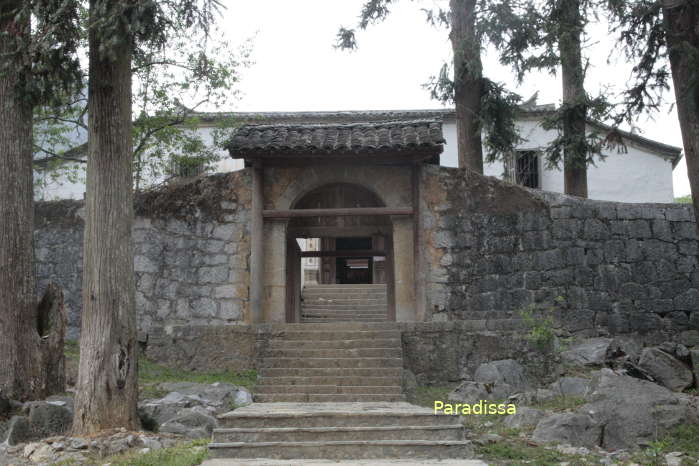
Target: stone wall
(191, 244)
(493, 249)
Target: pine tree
(107, 391)
(661, 39)
(483, 107)
(36, 66)
(549, 35)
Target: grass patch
(427, 395)
(184, 454)
(684, 438)
(518, 452)
(560, 403)
(151, 374)
(71, 348)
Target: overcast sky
(296, 67)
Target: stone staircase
(332, 391)
(331, 362)
(344, 303)
(337, 431)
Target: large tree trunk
(682, 25)
(107, 390)
(467, 83)
(20, 357)
(574, 97)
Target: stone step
(362, 286)
(380, 299)
(338, 344)
(282, 329)
(327, 397)
(372, 414)
(359, 449)
(351, 297)
(334, 353)
(326, 320)
(344, 363)
(266, 388)
(314, 319)
(321, 335)
(335, 381)
(319, 434)
(346, 307)
(344, 312)
(330, 372)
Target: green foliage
(44, 36)
(560, 403)
(426, 395)
(499, 107)
(71, 348)
(184, 454)
(540, 323)
(171, 87)
(684, 199)
(519, 452)
(150, 375)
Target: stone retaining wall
(495, 249)
(191, 245)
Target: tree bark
(467, 83)
(51, 326)
(20, 358)
(681, 21)
(574, 96)
(107, 389)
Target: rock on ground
(473, 392)
(571, 386)
(525, 417)
(570, 428)
(623, 413)
(190, 409)
(506, 371)
(666, 369)
(590, 352)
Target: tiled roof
(329, 139)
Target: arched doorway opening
(340, 267)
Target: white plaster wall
(635, 176)
(61, 186)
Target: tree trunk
(51, 325)
(467, 83)
(107, 390)
(574, 98)
(682, 26)
(20, 358)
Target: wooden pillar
(404, 268)
(274, 291)
(390, 278)
(420, 300)
(257, 245)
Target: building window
(522, 168)
(186, 167)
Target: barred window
(188, 167)
(522, 168)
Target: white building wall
(636, 176)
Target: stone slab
(373, 462)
